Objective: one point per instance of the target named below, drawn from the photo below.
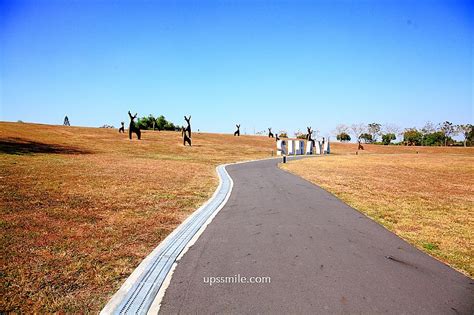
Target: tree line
(156, 123)
(430, 135)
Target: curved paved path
(322, 257)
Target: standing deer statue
(237, 132)
(122, 129)
(132, 128)
(309, 135)
(270, 134)
(186, 132)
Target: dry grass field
(81, 207)
(423, 194)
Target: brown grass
(81, 207)
(426, 198)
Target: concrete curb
(143, 290)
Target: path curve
(322, 256)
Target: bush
(412, 137)
(343, 137)
(160, 123)
(367, 137)
(387, 138)
(434, 139)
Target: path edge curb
(113, 304)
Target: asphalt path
(322, 257)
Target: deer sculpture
(309, 135)
(132, 128)
(188, 128)
(186, 132)
(276, 137)
(270, 134)
(122, 129)
(237, 132)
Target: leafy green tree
(367, 137)
(152, 123)
(146, 123)
(388, 137)
(412, 136)
(436, 138)
(161, 122)
(343, 137)
(169, 126)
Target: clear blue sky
(284, 64)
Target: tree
(388, 137)
(436, 138)
(160, 123)
(343, 137)
(467, 131)
(449, 130)
(146, 122)
(367, 137)
(392, 128)
(374, 130)
(412, 136)
(358, 130)
(341, 128)
(428, 129)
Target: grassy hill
(81, 207)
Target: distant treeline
(156, 123)
(430, 135)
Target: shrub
(437, 138)
(412, 137)
(367, 137)
(343, 137)
(387, 138)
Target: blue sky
(280, 64)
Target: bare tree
(358, 130)
(449, 130)
(465, 130)
(374, 130)
(428, 128)
(392, 128)
(341, 128)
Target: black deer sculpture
(270, 134)
(132, 128)
(309, 135)
(186, 132)
(122, 129)
(237, 132)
